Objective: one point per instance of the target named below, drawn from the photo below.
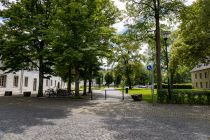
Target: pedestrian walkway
(111, 94)
(80, 119)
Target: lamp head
(166, 34)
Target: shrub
(176, 86)
(185, 96)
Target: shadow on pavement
(18, 113)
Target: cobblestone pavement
(72, 119)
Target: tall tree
(126, 54)
(88, 28)
(25, 35)
(109, 79)
(146, 15)
(192, 44)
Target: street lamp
(165, 37)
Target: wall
(205, 81)
(31, 75)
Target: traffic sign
(149, 67)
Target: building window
(47, 82)
(15, 82)
(200, 75)
(26, 82)
(51, 82)
(3, 80)
(206, 75)
(201, 85)
(34, 84)
(206, 84)
(196, 76)
(196, 84)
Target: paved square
(64, 119)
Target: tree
(117, 79)
(192, 44)
(88, 28)
(108, 79)
(146, 15)
(126, 54)
(99, 79)
(25, 35)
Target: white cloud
(120, 5)
(189, 2)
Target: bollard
(105, 94)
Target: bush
(176, 86)
(185, 97)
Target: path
(64, 119)
(111, 93)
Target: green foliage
(146, 16)
(109, 78)
(83, 30)
(185, 97)
(177, 86)
(146, 93)
(117, 79)
(24, 37)
(192, 44)
(99, 79)
(126, 54)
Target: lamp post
(165, 37)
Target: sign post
(150, 68)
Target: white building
(201, 76)
(24, 80)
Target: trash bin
(126, 90)
(8, 93)
(27, 94)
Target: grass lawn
(146, 93)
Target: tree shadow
(18, 113)
(141, 123)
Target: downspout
(21, 81)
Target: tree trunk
(129, 83)
(85, 87)
(157, 40)
(77, 81)
(69, 80)
(90, 85)
(90, 80)
(41, 75)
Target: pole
(21, 81)
(123, 96)
(152, 80)
(105, 94)
(91, 94)
(167, 61)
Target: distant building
(201, 76)
(24, 80)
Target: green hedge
(176, 86)
(185, 97)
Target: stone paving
(75, 119)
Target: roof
(200, 67)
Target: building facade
(21, 81)
(201, 76)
